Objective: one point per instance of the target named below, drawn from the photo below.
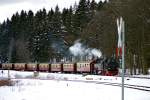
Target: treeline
(101, 32)
(37, 37)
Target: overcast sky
(9, 7)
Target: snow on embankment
(54, 86)
(74, 77)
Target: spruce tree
(5, 38)
(93, 8)
(99, 5)
(39, 42)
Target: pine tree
(39, 42)
(93, 8)
(57, 22)
(99, 5)
(23, 24)
(5, 38)
(49, 21)
(70, 20)
(15, 31)
(81, 15)
(21, 43)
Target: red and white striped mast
(119, 46)
(121, 49)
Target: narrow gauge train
(107, 67)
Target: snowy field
(54, 86)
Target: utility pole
(123, 58)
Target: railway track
(139, 77)
(137, 87)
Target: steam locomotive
(108, 67)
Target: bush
(6, 82)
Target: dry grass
(5, 82)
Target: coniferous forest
(40, 36)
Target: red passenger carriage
(31, 67)
(44, 67)
(69, 67)
(87, 67)
(19, 66)
(7, 66)
(56, 67)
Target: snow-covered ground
(56, 86)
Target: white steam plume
(96, 52)
(79, 50)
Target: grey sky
(7, 2)
(4, 2)
(9, 7)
